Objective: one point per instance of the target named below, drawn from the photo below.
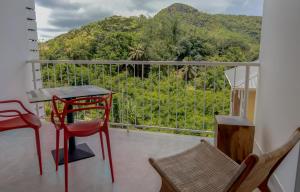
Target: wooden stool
(234, 136)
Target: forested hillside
(178, 32)
(157, 95)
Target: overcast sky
(58, 16)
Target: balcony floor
(19, 164)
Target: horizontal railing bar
(163, 128)
(109, 62)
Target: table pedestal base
(82, 151)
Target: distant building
(236, 79)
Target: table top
(233, 120)
(45, 94)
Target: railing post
(245, 103)
(232, 93)
(34, 75)
(35, 86)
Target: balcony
(160, 108)
(170, 130)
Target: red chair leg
(38, 147)
(57, 149)
(109, 155)
(102, 147)
(66, 160)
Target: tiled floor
(19, 165)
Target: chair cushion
(201, 168)
(85, 128)
(18, 122)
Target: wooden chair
(204, 168)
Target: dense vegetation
(158, 95)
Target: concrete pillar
(18, 43)
(278, 108)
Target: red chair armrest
(17, 102)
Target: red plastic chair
(81, 128)
(15, 119)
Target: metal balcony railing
(159, 95)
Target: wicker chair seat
(202, 168)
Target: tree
(137, 53)
(189, 72)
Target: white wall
(15, 74)
(278, 109)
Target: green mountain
(178, 32)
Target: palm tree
(138, 54)
(189, 72)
